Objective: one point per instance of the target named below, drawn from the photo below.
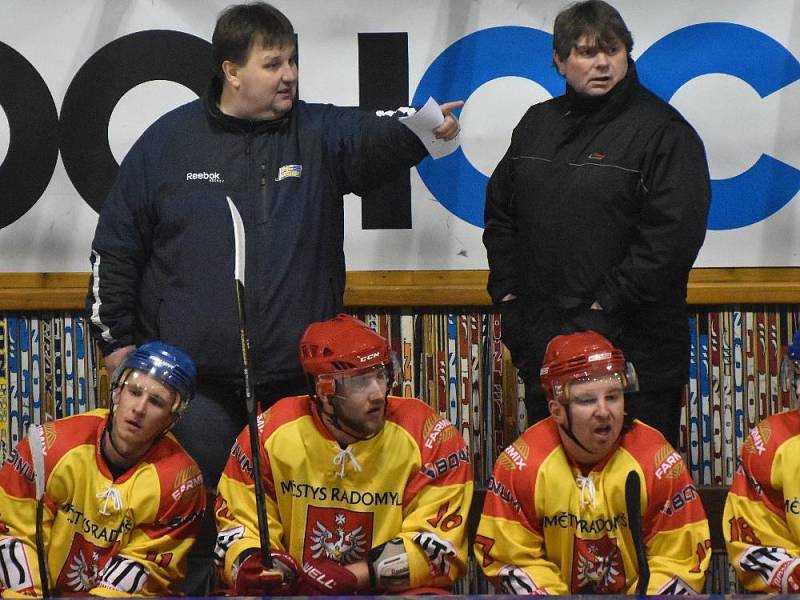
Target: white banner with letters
(68, 116)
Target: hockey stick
(632, 503)
(37, 457)
(249, 396)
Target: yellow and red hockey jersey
(104, 536)
(761, 522)
(550, 527)
(413, 481)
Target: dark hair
(594, 18)
(240, 26)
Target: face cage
(355, 379)
(178, 406)
(790, 374)
(629, 380)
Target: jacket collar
(604, 108)
(234, 124)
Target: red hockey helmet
(343, 346)
(582, 355)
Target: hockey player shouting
(761, 522)
(555, 520)
(366, 492)
(122, 499)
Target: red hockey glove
(254, 579)
(323, 577)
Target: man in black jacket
(595, 215)
(163, 252)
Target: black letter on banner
(33, 135)
(383, 85)
(100, 83)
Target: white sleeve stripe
(104, 329)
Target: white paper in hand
(423, 122)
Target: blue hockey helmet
(794, 347)
(170, 366)
(790, 369)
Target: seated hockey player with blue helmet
(122, 499)
(761, 522)
(365, 492)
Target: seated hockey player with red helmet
(365, 492)
(761, 521)
(122, 499)
(555, 519)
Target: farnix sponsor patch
(289, 171)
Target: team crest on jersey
(48, 435)
(262, 420)
(337, 534)
(756, 442)
(83, 566)
(436, 427)
(597, 567)
(187, 483)
(668, 462)
(515, 456)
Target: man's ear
(231, 71)
(558, 63)
(557, 411)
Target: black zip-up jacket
(163, 252)
(599, 199)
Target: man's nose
(289, 73)
(140, 406)
(601, 408)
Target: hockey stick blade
(633, 506)
(249, 394)
(35, 442)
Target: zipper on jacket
(264, 186)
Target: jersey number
(741, 531)
(702, 550)
(444, 521)
(162, 560)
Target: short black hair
(240, 26)
(594, 18)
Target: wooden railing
(780, 285)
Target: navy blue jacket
(163, 252)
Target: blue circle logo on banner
(668, 64)
(759, 61)
(457, 72)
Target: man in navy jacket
(163, 253)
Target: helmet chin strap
(110, 434)
(568, 430)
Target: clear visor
(141, 382)
(628, 381)
(360, 380)
(790, 378)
